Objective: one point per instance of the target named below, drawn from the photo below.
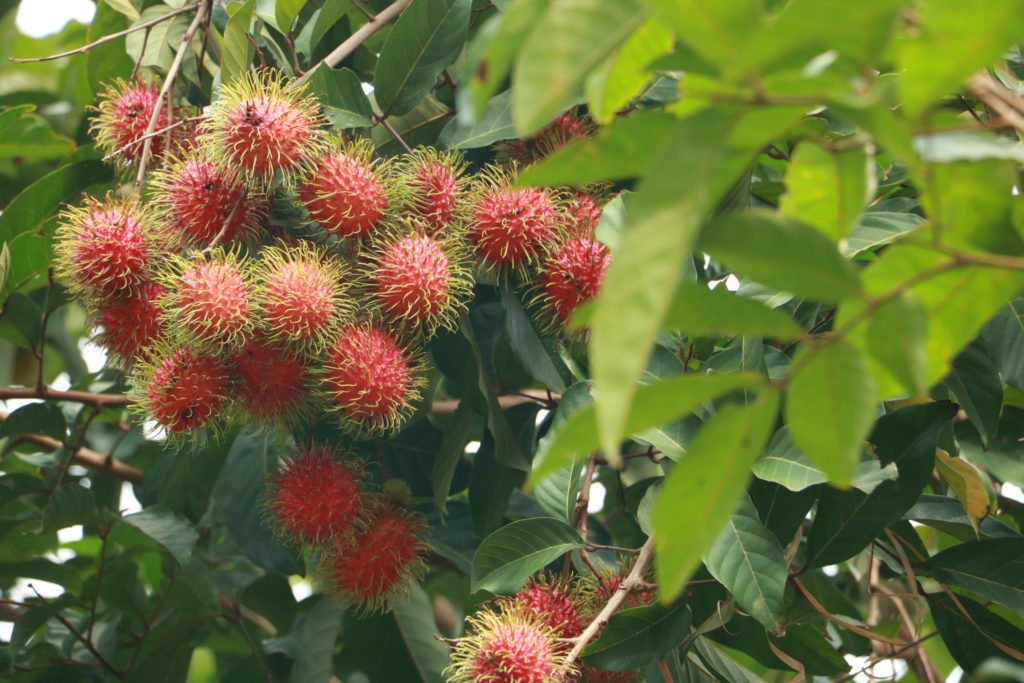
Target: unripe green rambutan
(207, 303)
(130, 324)
(272, 382)
(370, 379)
(260, 126)
(380, 563)
(436, 183)
(319, 495)
(415, 281)
(122, 117)
(346, 191)
(201, 202)
(106, 247)
(181, 390)
(513, 646)
(301, 295)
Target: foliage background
(852, 164)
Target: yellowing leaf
(966, 483)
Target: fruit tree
(513, 341)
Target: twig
(47, 393)
(369, 17)
(82, 639)
(156, 133)
(113, 36)
(99, 579)
(630, 584)
(505, 401)
(582, 511)
(224, 228)
(383, 120)
(235, 618)
(79, 441)
(202, 8)
(40, 350)
(356, 39)
(665, 673)
(86, 458)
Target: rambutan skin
(380, 563)
(105, 247)
(572, 276)
(346, 191)
(181, 390)
(436, 185)
(371, 379)
(510, 228)
(301, 295)
(131, 323)
(319, 495)
(554, 604)
(208, 300)
(272, 383)
(122, 117)
(259, 127)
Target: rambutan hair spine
(272, 384)
(264, 128)
(436, 186)
(302, 295)
(207, 305)
(417, 279)
(122, 116)
(129, 325)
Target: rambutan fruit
(122, 117)
(319, 495)
(513, 646)
(554, 603)
(553, 137)
(180, 389)
(346, 191)
(202, 202)
(261, 126)
(584, 215)
(380, 563)
(300, 295)
(370, 379)
(571, 276)
(510, 227)
(436, 182)
(207, 303)
(272, 382)
(129, 324)
(606, 587)
(415, 280)
(105, 247)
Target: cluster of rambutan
(527, 637)
(216, 310)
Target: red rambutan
(271, 381)
(436, 182)
(130, 324)
(380, 563)
(105, 248)
(300, 295)
(511, 227)
(259, 127)
(556, 135)
(513, 646)
(201, 202)
(318, 495)
(584, 215)
(181, 390)
(208, 299)
(572, 276)
(345, 192)
(416, 280)
(554, 605)
(371, 379)
(123, 115)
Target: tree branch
(154, 134)
(48, 394)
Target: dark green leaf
(993, 567)
(32, 620)
(878, 228)
(511, 554)
(976, 635)
(698, 310)
(1004, 336)
(977, 387)
(947, 514)
(342, 93)
(426, 39)
(35, 418)
(29, 137)
(174, 533)
(495, 123)
(105, 62)
(69, 505)
(415, 618)
(635, 637)
(447, 458)
(314, 659)
(525, 343)
(237, 52)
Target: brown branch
(156, 133)
(235, 617)
(383, 120)
(356, 39)
(582, 512)
(632, 583)
(113, 36)
(505, 401)
(202, 10)
(46, 393)
(86, 458)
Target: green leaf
(975, 636)
(782, 253)
(847, 521)
(28, 136)
(36, 202)
(571, 38)
(511, 554)
(285, 11)
(425, 39)
(557, 492)
(526, 345)
(125, 7)
(876, 229)
(1004, 336)
(69, 505)
(447, 458)
(237, 55)
(948, 515)
(897, 335)
(495, 123)
(993, 567)
(828, 188)
(700, 493)
(783, 463)
(342, 93)
(44, 570)
(421, 126)
(415, 618)
(32, 620)
(30, 257)
(153, 49)
(747, 559)
(655, 404)
(105, 62)
(35, 418)
(975, 382)
(635, 637)
(611, 88)
(172, 532)
(314, 658)
(698, 310)
(719, 32)
(830, 407)
(726, 667)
